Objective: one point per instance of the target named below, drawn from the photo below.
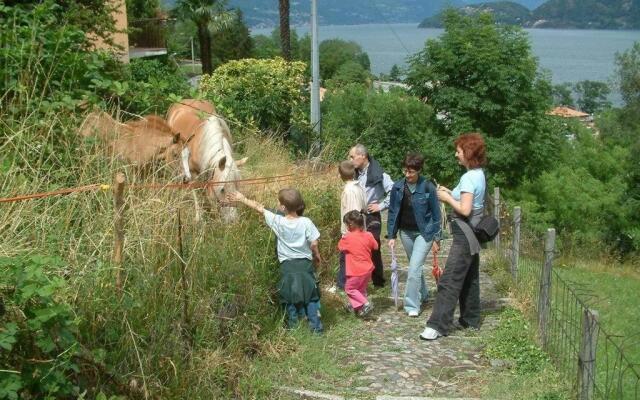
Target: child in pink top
(357, 245)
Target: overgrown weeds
(168, 333)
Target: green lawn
(616, 297)
(610, 290)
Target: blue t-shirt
(294, 235)
(472, 181)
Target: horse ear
(222, 163)
(241, 162)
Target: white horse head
(216, 157)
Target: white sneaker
(429, 334)
(413, 313)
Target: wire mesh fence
(584, 352)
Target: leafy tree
(271, 47)
(389, 124)
(40, 55)
(628, 134)
(333, 53)
(90, 16)
(592, 96)
(394, 74)
(233, 42)
(265, 47)
(139, 9)
(628, 79)
(479, 76)
(349, 72)
(265, 94)
(563, 95)
(590, 173)
(208, 16)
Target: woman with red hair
(460, 281)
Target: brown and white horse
(138, 142)
(207, 150)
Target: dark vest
(374, 178)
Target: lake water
(570, 55)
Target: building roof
(567, 112)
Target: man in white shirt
(377, 185)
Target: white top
(472, 181)
(294, 235)
(353, 198)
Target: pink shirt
(357, 246)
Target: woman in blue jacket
(414, 211)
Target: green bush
(265, 94)
(43, 60)
(37, 331)
(349, 72)
(389, 124)
(591, 174)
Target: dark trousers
(341, 278)
(374, 225)
(460, 282)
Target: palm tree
(209, 16)
(285, 39)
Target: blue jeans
(311, 310)
(417, 250)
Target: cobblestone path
(396, 364)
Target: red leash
(436, 271)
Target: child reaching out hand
(297, 252)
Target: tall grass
(168, 334)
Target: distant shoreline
(416, 24)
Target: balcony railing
(147, 37)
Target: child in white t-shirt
(297, 252)
(353, 199)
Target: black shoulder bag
(488, 227)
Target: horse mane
(216, 142)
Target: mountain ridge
(558, 14)
(264, 13)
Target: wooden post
(544, 301)
(515, 254)
(118, 226)
(587, 356)
(496, 214)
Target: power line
(388, 24)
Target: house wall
(121, 39)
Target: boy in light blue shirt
(297, 251)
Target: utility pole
(315, 70)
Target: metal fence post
(544, 301)
(515, 254)
(587, 356)
(496, 214)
